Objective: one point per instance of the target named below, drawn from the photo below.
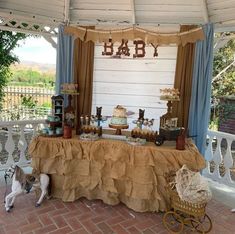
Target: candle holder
(88, 124)
(148, 124)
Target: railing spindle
(217, 158)
(208, 155)
(22, 142)
(10, 146)
(228, 162)
(22, 145)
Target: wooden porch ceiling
(50, 14)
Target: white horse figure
(22, 182)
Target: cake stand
(118, 128)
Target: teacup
(53, 118)
(58, 130)
(44, 130)
(50, 132)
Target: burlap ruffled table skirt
(112, 171)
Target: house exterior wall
(227, 122)
(133, 82)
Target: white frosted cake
(119, 116)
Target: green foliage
(224, 84)
(14, 114)
(213, 125)
(8, 41)
(28, 102)
(29, 77)
(46, 105)
(224, 110)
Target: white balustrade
(214, 153)
(12, 131)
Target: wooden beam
(205, 11)
(66, 11)
(220, 5)
(51, 41)
(224, 18)
(224, 28)
(132, 2)
(30, 18)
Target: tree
(8, 41)
(223, 84)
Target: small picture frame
(173, 122)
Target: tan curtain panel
(149, 37)
(83, 75)
(183, 79)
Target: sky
(36, 50)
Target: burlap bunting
(149, 37)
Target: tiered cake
(119, 116)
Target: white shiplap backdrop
(133, 82)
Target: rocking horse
(22, 182)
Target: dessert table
(111, 170)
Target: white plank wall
(133, 82)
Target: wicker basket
(184, 213)
(194, 209)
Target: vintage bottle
(67, 132)
(180, 141)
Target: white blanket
(191, 186)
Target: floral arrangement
(69, 119)
(170, 94)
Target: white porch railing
(214, 153)
(14, 139)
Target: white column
(10, 146)
(217, 158)
(22, 145)
(228, 163)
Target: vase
(67, 132)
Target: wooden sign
(155, 54)
(108, 48)
(139, 49)
(123, 49)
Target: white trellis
(48, 31)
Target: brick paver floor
(95, 217)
